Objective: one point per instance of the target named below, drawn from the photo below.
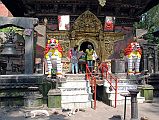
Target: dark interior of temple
(84, 46)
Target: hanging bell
(9, 50)
(150, 56)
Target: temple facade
(88, 29)
(87, 23)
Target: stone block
(33, 100)
(147, 92)
(54, 98)
(117, 66)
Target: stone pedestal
(54, 98)
(134, 105)
(147, 92)
(33, 99)
(118, 66)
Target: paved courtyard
(103, 112)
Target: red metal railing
(106, 75)
(92, 80)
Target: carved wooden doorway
(84, 45)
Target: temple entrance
(84, 45)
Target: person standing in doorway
(94, 59)
(74, 59)
(82, 61)
(89, 57)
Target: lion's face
(53, 44)
(135, 46)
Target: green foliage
(8, 29)
(150, 21)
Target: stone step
(129, 81)
(75, 77)
(124, 84)
(119, 94)
(74, 90)
(120, 75)
(76, 83)
(109, 98)
(77, 105)
(122, 87)
(126, 88)
(76, 98)
(122, 101)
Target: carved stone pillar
(156, 58)
(150, 57)
(29, 53)
(144, 54)
(134, 105)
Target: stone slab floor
(103, 112)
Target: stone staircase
(124, 84)
(13, 88)
(76, 92)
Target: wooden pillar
(101, 38)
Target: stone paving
(103, 112)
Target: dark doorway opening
(84, 46)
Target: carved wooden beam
(77, 7)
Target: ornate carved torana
(89, 28)
(87, 22)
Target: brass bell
(9, 49)
(9, 46)
(150, 56)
